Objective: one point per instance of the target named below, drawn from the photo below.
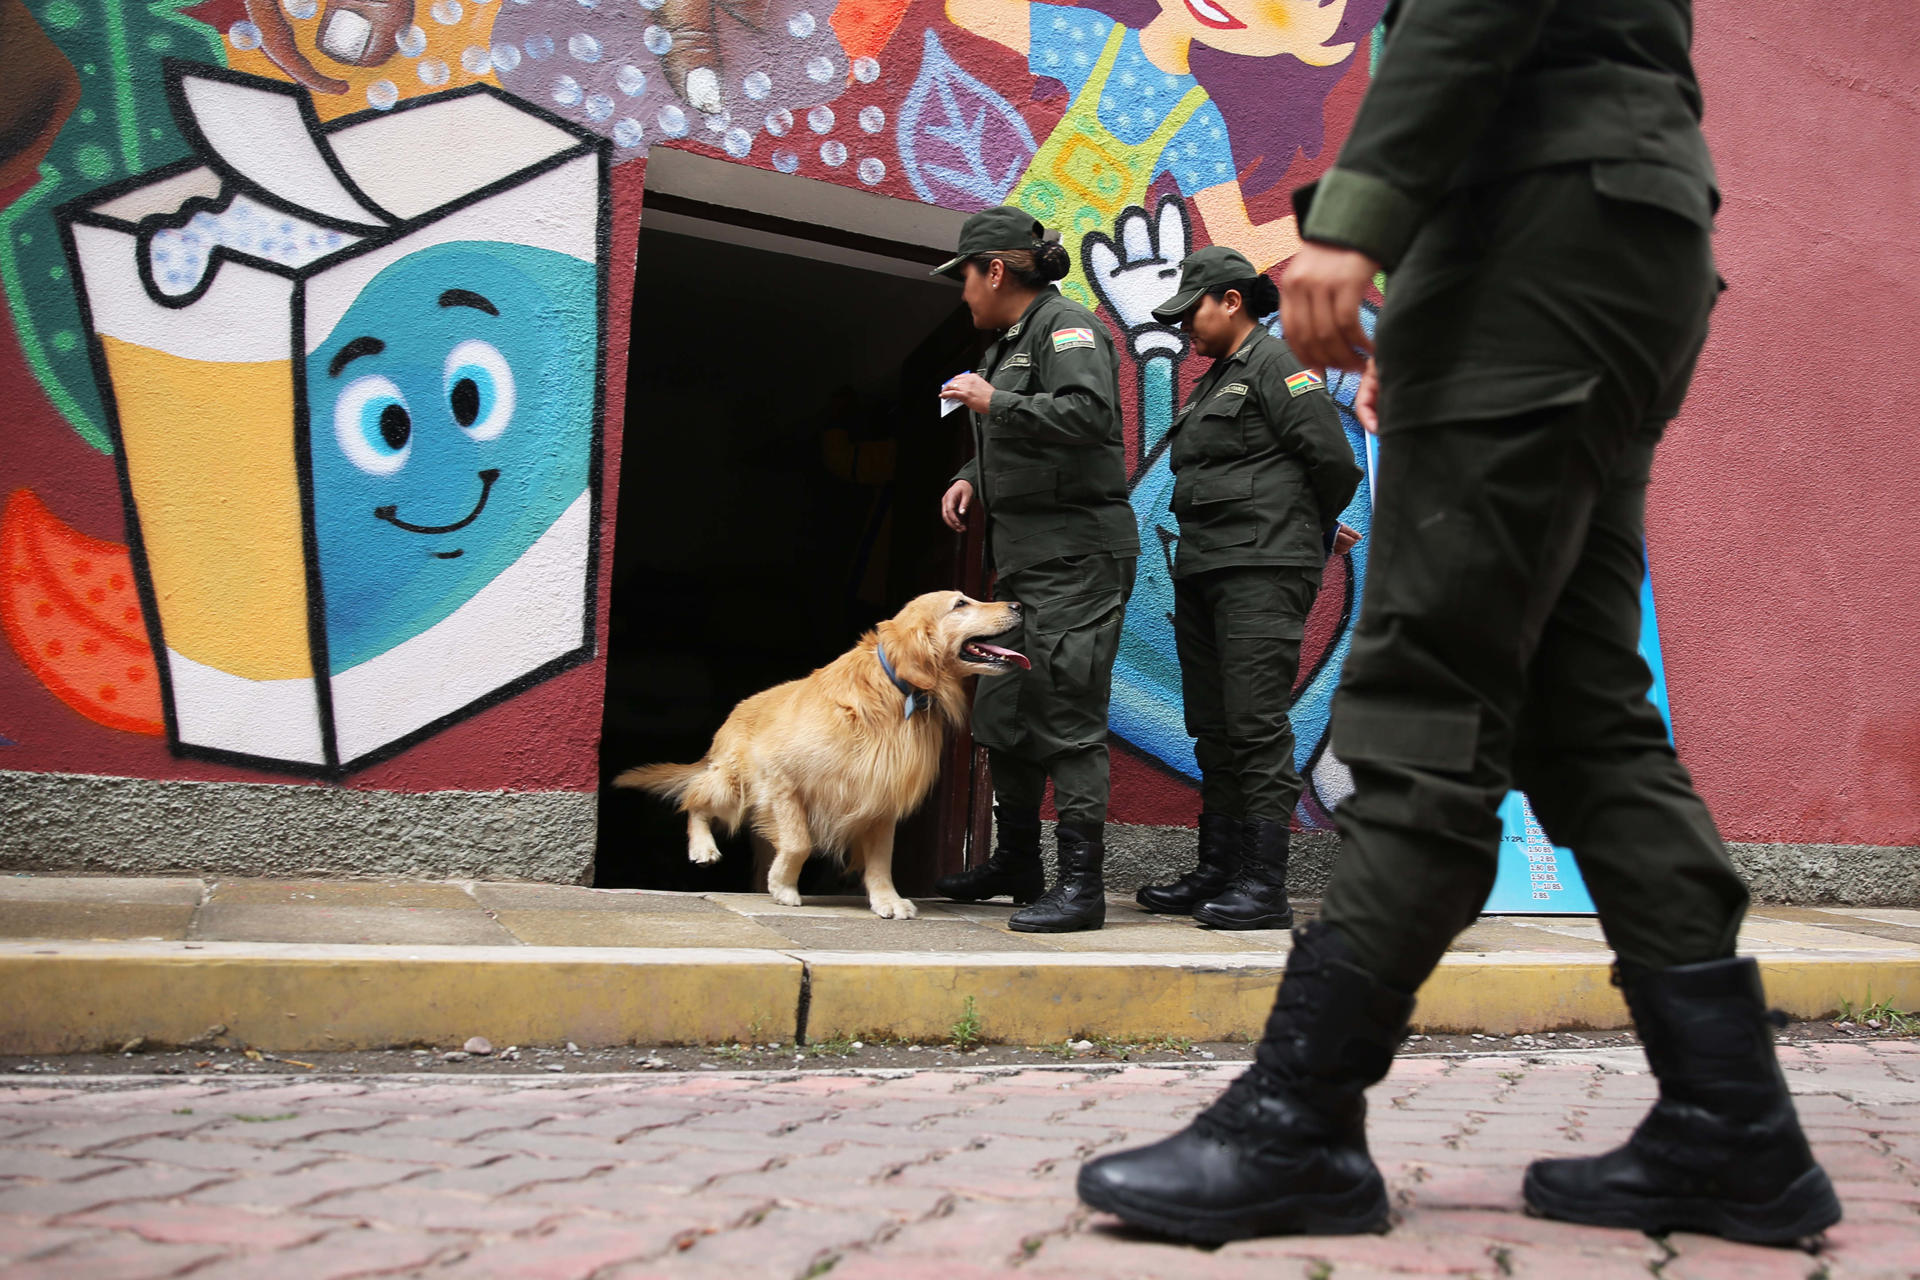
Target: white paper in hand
(948, 406)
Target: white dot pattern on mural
(411, 42)
(178, 256)
(301, 10)
(738, 143)
(801, 25)
(833, 154)
(820, 119)
(873, 169)
(567, 92)
(628, 133)
(583, 47)
(673, 122)
(785, 161)
(433, 72)
(757, 86)
(475, 61)
(447, 12)
(866, 70)
(505, 57)
(872, 119)
(780, 123)
(630, 80)
(382, 94)
(244, 36)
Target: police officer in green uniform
(1533, 175)
(1049, 473)
(1262, 470)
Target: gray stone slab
(78, 822)
(639, 929)
(151, 890)
(567, 897)
(398, 926)
(341, 893)
(93, 920)
(844, 933)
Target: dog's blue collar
(916, 698)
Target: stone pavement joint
(956, 1174)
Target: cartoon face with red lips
(1263, 28)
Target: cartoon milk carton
(354, 371)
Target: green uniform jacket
(1049, 460)
(1472, 90)
(1262, 469)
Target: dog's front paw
(893, 908)
(703, 854)
(783, 895)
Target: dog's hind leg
(873, 849)
(700, 845)
(784, 824)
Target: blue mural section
(448, 433)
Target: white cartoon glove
(1146, 276)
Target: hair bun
(1051, 260)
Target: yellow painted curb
(63, 997)
(69, 998)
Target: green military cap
(1203, 269)
(1003, 229)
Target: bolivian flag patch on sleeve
(1068, 339)
(1304, 381)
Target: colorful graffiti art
(353, 398)
(357, 456)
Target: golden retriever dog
(831, 762)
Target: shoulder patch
(1016, 360)
(1068, 339)
(1304, 381)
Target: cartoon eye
(479, 388)
(371, 422)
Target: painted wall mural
(317, 276)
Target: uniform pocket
(1264, 626)
(1082, 656)
(1425, 737)
(1025, 480)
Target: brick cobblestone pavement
(870, 1175)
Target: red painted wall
(1786, 569)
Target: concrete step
(91, 962)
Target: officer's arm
(1309, 428)
(1443, 71)
(970, 473)
(1080, 404)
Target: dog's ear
(910, 652)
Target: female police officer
(1262, 470)
(1049, 470)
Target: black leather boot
(1284, 1150)
(1721, 1151)
(1256, 897)
(1014, 870)
(1078, 899)
(1219, 856)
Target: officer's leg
(1483, 528)
(1595, 760)
(1072, 718)
(1722, 1150)
(1195, 636)
(1019, 783)
(1263, 614)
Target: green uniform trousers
(1497, 645)
(1051, 721)
(1237, 631)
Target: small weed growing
(284, 1115)
(966, 1032)
(1879, 1015)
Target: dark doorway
(780, 479)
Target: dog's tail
(669, 780)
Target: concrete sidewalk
(954, 1175)
(90, 963)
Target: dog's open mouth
(984, 654)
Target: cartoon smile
(1214, 16)
(391, 516)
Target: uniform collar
(1013, 330)
(916, 698)
(1253, 339)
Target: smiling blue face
(451, 423)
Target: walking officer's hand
(954, 506)
(971, 390)
(1320, 306)
(1366, 400)
(1345, 538)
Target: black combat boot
(1219, 856)
(1721, 1151)
(1014, 870)
(1285, 1148)
(1256, 897)
(1078, 899)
